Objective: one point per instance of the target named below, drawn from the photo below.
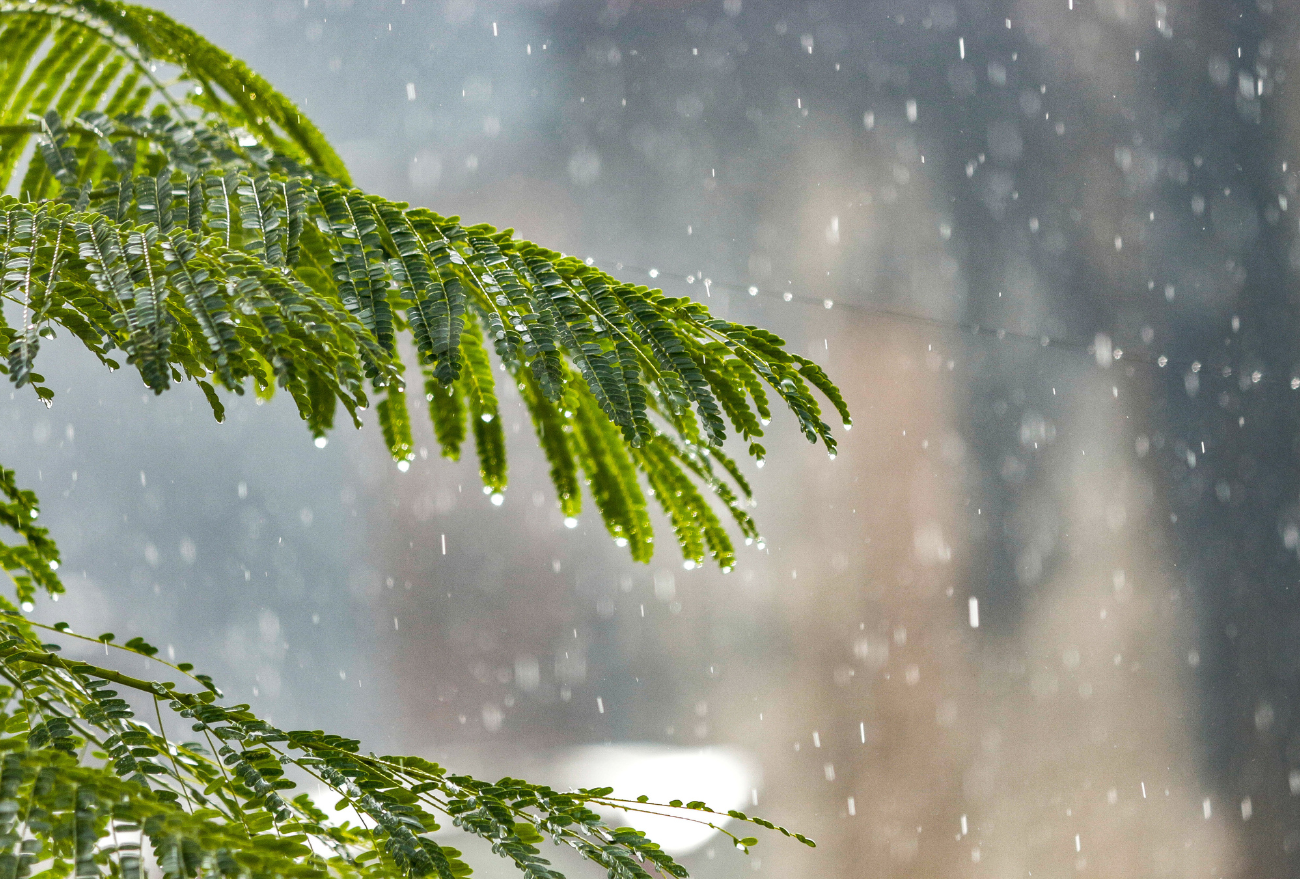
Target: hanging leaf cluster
(202, 230)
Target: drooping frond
(76, 56)
(206, 231)
(85, 785)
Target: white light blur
(720, 776)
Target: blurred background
(1040, 616)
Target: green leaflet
(264, 221)
(38, 285)
(503, 323)
(395, 422)
(295, 202)
(154, 201)
(612, 478)
(665, 486)
(437, 315)
(190, 204)
(121, 101)
(672, 351)
(359, 269)
(479, 389)
(818, 378)
(81, 85)
(322, 403)
(696, 525)
(32, 563)
(147, 315)
(220, 187)
(629, 358)
(61, 160)
(447, 412)
(730, 388)
(102, 252)
(698, 461)
(20, 273)
(552, 428)
(106, 73)
(18, 91)
(533, 325)
(580, 337)
(763, 352)
(22, 40)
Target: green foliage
(32, 562)
(208, 233)
(161, 203)
(81, 778)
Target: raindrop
(569, 522)
(321, 442)
(498, 499)
(1102, 350)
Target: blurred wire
(977, 329)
